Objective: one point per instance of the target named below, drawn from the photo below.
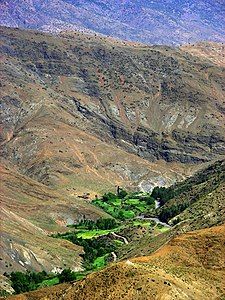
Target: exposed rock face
(155, 102)
(157, 22)
(81, 114)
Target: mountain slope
(193, 204)
(155, 102)
(157, 22)
(81, 114)
(190, 266)
(212, 51)
(30, 212)
(199, 199)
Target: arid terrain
(82, 114)
(190, 266)
(151, 22)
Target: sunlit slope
(77, 106)
(190, 266)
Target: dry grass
(190, 266)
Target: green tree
(20, 282)
(66, 276)
(109, 196)
(122, 194)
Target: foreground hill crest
(190, 266)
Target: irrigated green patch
(162, 228)
(142, 223)
(142, 207)
(116, 202)
(99, 262)
(126, 214)
(132, 201)
(118, 243)
(49, 282)
(89, 234)
(125, 206)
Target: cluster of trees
(148, 199)
(93, 248)
(29, 281)
(163, 194)
(188, 191)
(68, 275)
(24, 282)
(103, 224)
(169, 212)
(123, 206)
(121, 194)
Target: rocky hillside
(212, 51)
(199, 199)
(81, 114)
(76, 94)
(195, 203)
(154, 22)
(30, 212)
(190, 266)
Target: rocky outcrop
(158, 103)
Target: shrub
(122, 194)
(109, 196)
(66, 276)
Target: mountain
(82, 114)
(209, 50)
(190, 266)
(175, 263)
(151, 22)
(67, 98)
(199, 197)
(30, 212)
(192, 204)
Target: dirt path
(121, 237)
(155, 220)
(114, 256)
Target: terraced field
(126, 206)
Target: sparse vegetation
(175, 199)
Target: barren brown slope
(214, 52)
(83, 114)
(190, 266)
(30, 212)
(68, 99)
